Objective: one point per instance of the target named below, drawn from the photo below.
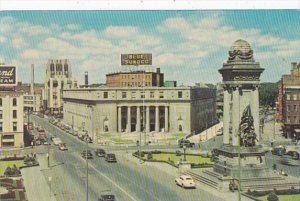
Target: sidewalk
(37, 187)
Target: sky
(188, 46)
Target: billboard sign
(8, 75)
(136, 59)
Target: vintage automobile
(185, 181)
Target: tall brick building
(289, 99)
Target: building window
(105, 94)
(151, 94)
(1, 126)
(295, 97)
(14, 102)
(14, 114)
(295, 108)
(179, 94)
(288, 108)
(123, 94)
(161, 94)
(14, 126)
(0, 102)
(133, 94)
(1, 114)
(142, 94)
(288, 97)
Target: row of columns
(138, 117)
(233, 93)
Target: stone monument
(241, 156)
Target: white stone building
(58, 77)
(32, 102)
(11, 119)
(150, 109)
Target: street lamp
(184, 156)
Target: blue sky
(188, 46)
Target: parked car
(233, 185)
(294, 154)
(279, 151)
(186, 143)
(63, 147)
(100, 152)
(220, 132)
(185, 181)
(111, 158)
(107, 197)
(87, 154)
(178, 153)
(57, 141)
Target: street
(127, 179)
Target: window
(179, 94)
(1, 114)
(288, 97)
(1, 126)
(14, 102)
(8, 137)
(161, 94)
(0, 102)
(288, 108)
(14, 114)
(105, 94)
(133, 94)
(151, 94)
(14, 126)
(123, 94)
(295, 97)
(142, 94)
(295, 108)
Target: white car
(185, 181)
(57, 141)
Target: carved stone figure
(246, 129)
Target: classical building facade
(135, 79)
(289, 99)
(150, 109)
(58, 77)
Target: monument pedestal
(252, 162)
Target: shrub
(272, 197)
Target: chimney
(32, 80)
(86, 79)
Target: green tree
(268, 93)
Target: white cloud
(120, 31)
(73, 26)
(2, 39)
(18, 43)
(32, 54)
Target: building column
(138, 119)
(120, 119)
(235, 117)
(226, 135)
(156, 118)
(147, 119)
(166, 119)
(255, 112)
(128, 120)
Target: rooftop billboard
(136, 59)
(8, 75)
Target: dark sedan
(111, 158)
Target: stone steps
(265, 186)
(204, 180)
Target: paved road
(126, 179)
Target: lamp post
(184, 156)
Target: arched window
(14, 102)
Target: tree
(268, 93)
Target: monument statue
(246, 129)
